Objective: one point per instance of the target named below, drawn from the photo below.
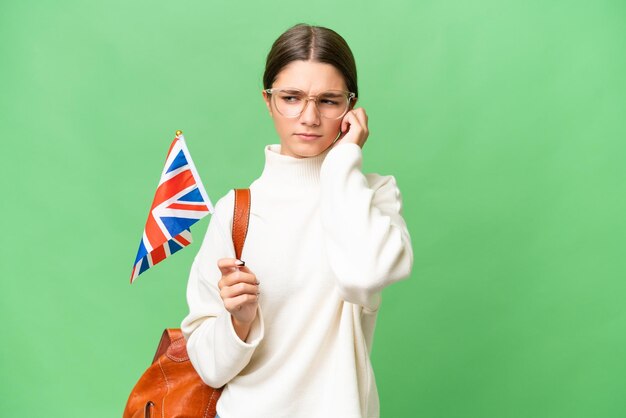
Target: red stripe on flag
(132, 275)
(200, 208)
(182, 240)
(158, 255)
(165, 191)
(170, 150)
(153, 232)
(173, 186)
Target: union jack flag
(180, 201)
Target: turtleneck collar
(291, 171)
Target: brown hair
(306, 42)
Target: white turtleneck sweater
(324, 239)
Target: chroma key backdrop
(502, 121)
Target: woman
(289, 331)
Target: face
(312, 78)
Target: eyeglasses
(291, 102)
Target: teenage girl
(288, 332)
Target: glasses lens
(289, 102)
(331, 104)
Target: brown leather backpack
(171, 387)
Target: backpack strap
(169, 336)
(241, 217)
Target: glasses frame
(349, 96)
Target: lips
(307, 135)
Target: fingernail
(240, 263)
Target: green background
(503, 122)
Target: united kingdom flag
(179, 202)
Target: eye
(330, 99)
(289, 98)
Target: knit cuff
(347, 151)
(257, 331)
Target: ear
(353, 103)
(266, 98)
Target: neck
(285, 170)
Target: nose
(310, 115)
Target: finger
(227, 265)
(237, 276)
(349, 121)
(233, 304)
(345, 124)
(245, 269)
(361, 116)
(239, 289)
(358, 118)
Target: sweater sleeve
(367, 239)
(214, 349)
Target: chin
(306, 150)
(302, 149)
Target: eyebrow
(331, 94)
(294, 91)
(327, 93)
